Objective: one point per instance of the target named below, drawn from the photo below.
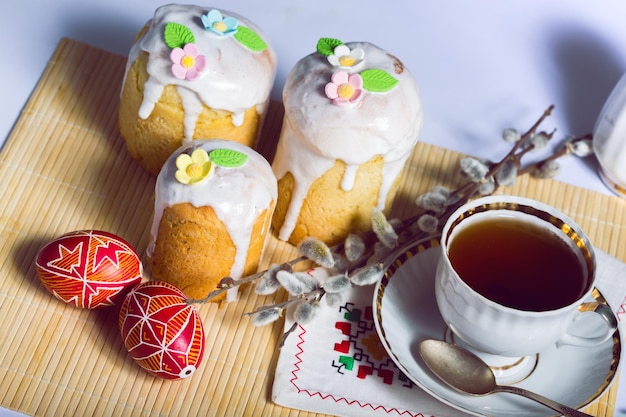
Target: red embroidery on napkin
(343, 347)
(359, 349)
(337, 399)
(362, 343)
(621, 310)
(346, 328)
(387, 375)
(364, 371)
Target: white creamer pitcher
(609, 139)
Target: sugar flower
(344, 57)
(194, 168)
(187, 62)
(215, 22)
(344, 88)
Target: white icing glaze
(238, 195)
(316, 132)
(347, 182)
(235, 77)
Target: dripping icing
(235, 79)
(317, 133)
(223, 192)
(349, 176)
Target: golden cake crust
(328, 212)
(188, 239)
(213, 223)
(352, 117)
(194, 73)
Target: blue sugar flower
(219, 24)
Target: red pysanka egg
(89, 268)
(162, 333)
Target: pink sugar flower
(344, 88)
(187, 62)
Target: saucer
(405, 313)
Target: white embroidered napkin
(336, 365)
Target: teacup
(514, 275)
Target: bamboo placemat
(64, 167)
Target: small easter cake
(214, 201)
(352, 117)
(194, 73)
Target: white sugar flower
(345, 57)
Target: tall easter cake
(214, 201)
(352, 117)
(194, 73)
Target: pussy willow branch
(405, 234)
(317, 293)
(562, 151)
(471, 188)
(466, 191)
(227, 283)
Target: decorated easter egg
(89, 268)
(162, 333)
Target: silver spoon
(468, 373)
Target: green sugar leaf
(250, 39)
(177, 35)
(228, 158)
(326, 46)
(377, 80)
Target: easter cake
(214, 201)
(352, 117)
(194, 73)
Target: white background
(482, 65)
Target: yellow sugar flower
(194, 168)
